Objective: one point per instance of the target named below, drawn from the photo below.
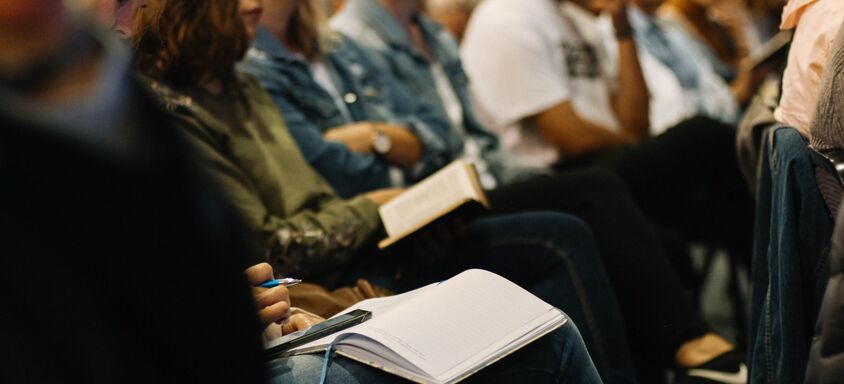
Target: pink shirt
(816, 22)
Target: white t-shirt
(322, 76)
(454, 109)
(526, 56)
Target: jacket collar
(268, 45)
(388, 29)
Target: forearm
(631, 99)
(561, 127)
(406, 148)
(312, 243)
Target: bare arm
(631, 99)
(565, 130)
(406, 148)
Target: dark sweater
(118, 266)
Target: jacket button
(350, 98)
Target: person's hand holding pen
(273, 301)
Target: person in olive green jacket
(255, 160)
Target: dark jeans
(688, 179)
(559, 357)
(553, 256)
(658, 313)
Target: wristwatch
(382, 143)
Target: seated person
(411, 48)
(570, 362)
(548, 125)
(815, 25)
(119, 263)
(723, 28)
(244, 144)
(681, 81)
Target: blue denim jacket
(790, 258)
(368, 23)
(309, 111)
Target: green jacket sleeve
(307, 243)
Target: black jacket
(119, 268)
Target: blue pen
(287, 282)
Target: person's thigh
(642, 276)
(308, 369)
(553, 256)
(559, 357)
(688, 178)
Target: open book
(441, 193)
(444, 332)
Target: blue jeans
(550, 254)
(559, 357)
(790, 259)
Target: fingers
(274, 313)
(258, 274)
(264, 297)
(273, 303)
(298, 322)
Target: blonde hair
(308, 28)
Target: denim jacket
(368, 23)
(369, 95)
(790, 258)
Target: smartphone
(318, 331)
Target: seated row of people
(333, 115)
(559, 192)
(143, 282)
(210, 109)
(386, 103)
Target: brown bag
(318, 300)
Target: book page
(459, 320)
(429, 199)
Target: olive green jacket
(294, 215)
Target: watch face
(382, 144)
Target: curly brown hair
(186, 42)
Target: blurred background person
(104, 220)
(724, 27)
(682, 82)
(452, 14)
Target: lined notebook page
(467, 314)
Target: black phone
(319, 331)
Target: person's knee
(553, 227)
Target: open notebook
(442, 333)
